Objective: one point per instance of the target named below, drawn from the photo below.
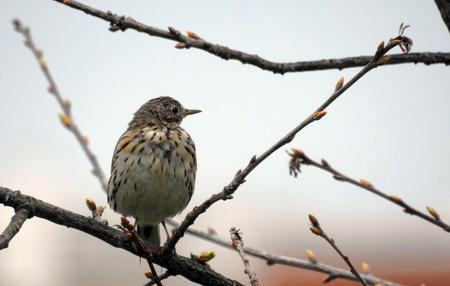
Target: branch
(238, 245)
(21, 215)
(317, 229)
(66, 117)
(192, 40)
(444, 9)
(161, 277)
(272, 258)
(178, 265)
(298, 157)
(239, 178)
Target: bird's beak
(190, 111)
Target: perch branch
(66, 117)
(298, 157)
(192, 40)
(178, 265)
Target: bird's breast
(153, 174)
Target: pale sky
(391, 128)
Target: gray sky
(391, 128)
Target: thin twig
(154, 274)
(130, 231)
(68, 122)
(163, 276)
(66, 117)
(317, 229)
(21, 215)
(180, 265)
(240, 176)
(238, 245)
(192, 40)
(272, 258)
(298, 157)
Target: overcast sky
(391, 127)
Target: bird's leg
(168, 237)
(165, 229)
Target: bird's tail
(149, 233)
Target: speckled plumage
(153, 167)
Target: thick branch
(444, 9)
(239, 178)
(186, 267)
(123, 23)
(14, 226)
(272, 258)
(324, 165)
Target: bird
(153, 167)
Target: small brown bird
(153, 166)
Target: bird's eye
(175, 110)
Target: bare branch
(317, 229)
(238, 245)
(153, 274)
(272, 258)
(298, 157)
(444, 9)
(240, 176)
(178, 265)
(66, 117)
(161, 277)
(193, 40)
(21, 215)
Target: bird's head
(163, 111)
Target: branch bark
(13, 227)
(184, 266)
(193, 41)
(444, 9)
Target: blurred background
(391, 128)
